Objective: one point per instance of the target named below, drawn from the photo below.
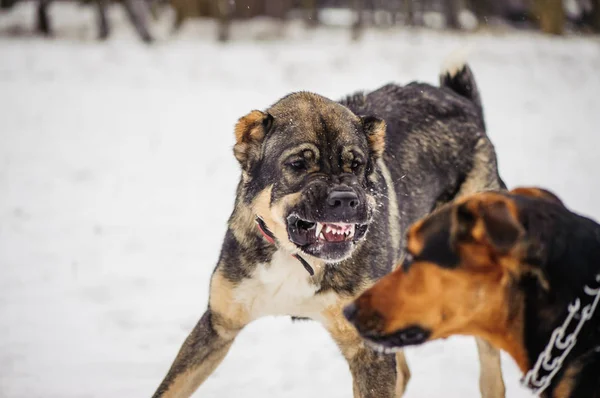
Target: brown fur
(537, 193)
(468, 259)
(450, 301)
(249, 133)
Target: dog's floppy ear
(539, 193)
(473, 221)
(374, 128)
(250, 131)
(463, 221)
(502, 229)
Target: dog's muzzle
(328, 222)
(369, 326)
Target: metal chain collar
(539, 377)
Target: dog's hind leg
(402, 373)
(491, 383)
(207, 344)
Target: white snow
(117, 178)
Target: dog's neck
(563, 254)
(548, 322)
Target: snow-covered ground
(117, 177)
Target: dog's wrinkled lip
(303, 232)
(394, 342)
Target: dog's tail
(458, 77)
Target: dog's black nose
(339, 199)
(350, 311)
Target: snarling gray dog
(327, 191)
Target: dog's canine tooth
(321, 236)
(318, 229)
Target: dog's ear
(250, 132)
(539, 193)
(492, 220)
(463, 221)
(374, 128)
(502, 229)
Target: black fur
(436, 231)
(566, 248)
(432, 139)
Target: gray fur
(435, 149)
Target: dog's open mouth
(304, 232)
(413, 335)
(330, 232)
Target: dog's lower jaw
(325, 257)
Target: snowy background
(117, 178)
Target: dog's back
(435, 141)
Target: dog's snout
(413, 335)
(350, 312)
(343, 199)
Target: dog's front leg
(378, 375)
(207, 344)
(201, 353)
(374, 375)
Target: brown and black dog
(517, 269)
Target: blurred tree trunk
(224, 12)
(451, 10)
(595, 15)
(311, 10)
(190, 9)
(551, 16)
(103, 28)
(136, 12)
(43, 19)
(481, 9)
(278, 9)
(358, 6)
(409, 12)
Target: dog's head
(308, 167)
(457, 277)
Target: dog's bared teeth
(318, 229)
(321, 236)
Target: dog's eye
(297, 165)
(355, 165)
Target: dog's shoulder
(564, 243)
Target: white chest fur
(282, 287)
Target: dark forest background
(549, 16)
